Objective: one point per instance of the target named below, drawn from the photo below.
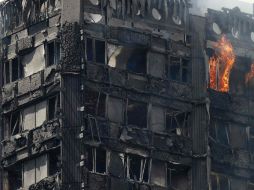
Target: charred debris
(125, 94)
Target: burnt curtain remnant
(117, 94)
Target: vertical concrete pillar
(72, 11)
(199, 116)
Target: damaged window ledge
(15, 92)
(168, 134)
(48, 182)
(49, 130)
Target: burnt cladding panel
(71, 149)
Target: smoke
(199, 7)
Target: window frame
(7, 118)
(218, 127)
(181, 130)
(182, 67)
(35, 164)
(147, 113)
(94, 159)
(56, 106)
(94, 58)
(143, 165)
(10, 73)
(57, 52)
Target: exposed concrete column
(199, 115)
(72, 11)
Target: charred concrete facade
(231, 113)
(113, 94)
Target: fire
(250, 75)
(213, 62)
(221, 65)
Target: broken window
(137, 113)
(219, 131)
(156, 64)
(175, 68)
(15, 123)
(15, 177)
(178, 69)
(214, 182)
(238, 136)
(34, 61)
(157, 119)
(6, 73)
(177, 176)
(224, 183)
(17, 69)
(95, 51)
(96, 160)
(35, 170)
(134, 167)
(89, 49)
(54, 162)
(123, 57)
(177, 122)
(222, 132)
(38, 11)
(137, 61)
(158, 173)
(100, 161)
(138, 168)
(40, 115)
(53, 107)
(13, 70)
(34, 116)
(93, 128)
(100, 51)
(117, 165)
(54, 5)
(219, 182)
(29, 118)
(90, 159)
(115, 109)
(53, 53)
(95, 103)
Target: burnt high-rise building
(125, 95)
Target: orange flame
(221, 62)
(250, 75)
(213, 62)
